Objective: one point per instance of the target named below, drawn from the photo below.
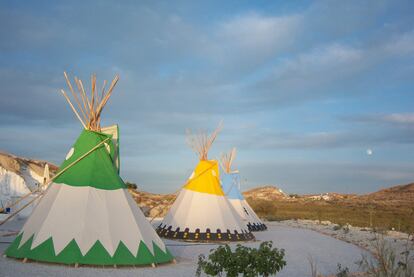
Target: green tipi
(87, 216)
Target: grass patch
(363, 214)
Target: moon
(369, 152)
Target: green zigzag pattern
(97, 255)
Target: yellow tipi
(201, 211)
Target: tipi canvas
(86, 215)
(201, 211)
(230, 181)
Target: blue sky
(304, 88)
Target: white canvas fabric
(195, 210)
(245, 211)
(230, 183)
(252, 214)
(87, 214)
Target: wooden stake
(202, 142)
(19, 210)
(232, 157)
(73, 108)
(86, 95)
(227, 160)
(74, 95)
(103, 91)
(107, 96)
(153, 265)
(93, 86)
(82, 96)
(90, 104)
(76, 265)
(18, 201)
(24, 260)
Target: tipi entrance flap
(114, 132)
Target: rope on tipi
(46, 184)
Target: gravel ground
(299, 244)
(362, 237)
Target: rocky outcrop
(400, 193)
(19, 176)
(268, 193)
(153, 205)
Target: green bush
(131, 185)
(247, 261)
(342, 271)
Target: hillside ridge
(156, 204)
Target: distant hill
(393, 206)
(267, 192)
(396, 193)
(17, 164)
(153, 205)
(395, 200)
(25, 168)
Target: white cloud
(357, 136)
(181, 69)
(246, 41)
(400, 118)
(311, 75)
(326, 176)
(257, 33)
(393, 118)
(402, 44)
(315, 73)
(322, 59)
